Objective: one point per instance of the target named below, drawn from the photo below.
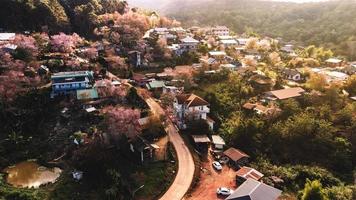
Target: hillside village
(261, 117)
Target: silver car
(224, 191)
(217, 166)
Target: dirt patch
(210, 180)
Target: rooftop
(7, 36)
(287, 93)
(189, 40)
(191, 100)
(228, 41)
(217, 53)
(254, 190)
(216, 139)
(71, 74)
(248, 172)
(200, 139)
(333, 60)
(235, 154)
(155, 84)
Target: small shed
(236, 157)
(247, 172)
(201, 142)
(218, 142)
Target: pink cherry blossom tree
(122, 121)
(107, 89)
(65, 43)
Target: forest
(328, 24)
(55, 16)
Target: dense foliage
(80, 16)
(331, 24)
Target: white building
(228, 43)
(188, 44)
(220, 31)
(5, 37)
(190, 106)
(292, 74)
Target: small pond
(30, 174)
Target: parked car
(217, 166)
(223, 160)
(223, 191)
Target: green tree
(350, 85)
(313, 190)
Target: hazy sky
(300, 1)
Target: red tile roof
(248, 172)
(235, 154)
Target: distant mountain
(331, 24)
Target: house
(217, 54)
(8, 47)
(155, 85)
(68, 83)
(135, 58)
(236, 157)
(254, 190)
(284, 93)
(211, 62)
(288, 48)
(334, 62)
(143, 150)
(190, 106)
(261, 79)
(350, 69)
(231, 67)
(228, 43)
(220, 31)
(218, 142)
(268, 112)
(226, 37)
(172, 89)
(140, 79)
(6, 37)
(247, 172)
(335, 76)
(160, 31)
(201, 142)
(188, 44)
(292, 74)
(242, 41)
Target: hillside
(32, 15)
(58, 15)
(330, 24)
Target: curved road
(186, 167)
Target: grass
(156, 177)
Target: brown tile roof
(249, 106)
(287, 93)
(195, 100)
(191, 100)
(182, 98)
(235, 154)
(248, 172)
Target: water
(30, 174)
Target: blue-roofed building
(68, 83)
